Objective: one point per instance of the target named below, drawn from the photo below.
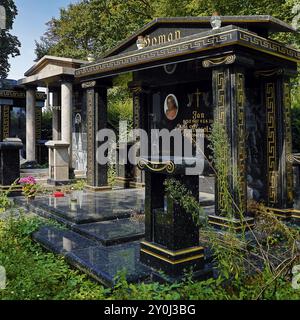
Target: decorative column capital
(88, 85)
(66, 79)
(275, 72)
(30, 87)
(228, 59)
(138, 87)
(95, 84)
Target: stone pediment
(51, 68)
(163, 30)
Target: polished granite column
(277, 102)
(228, 85)
(140, 93)
(96, 99)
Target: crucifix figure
(198, 95)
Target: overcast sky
(29, 26)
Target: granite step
(60, 241)
(112, 232)
(99, 262)
(104, 264)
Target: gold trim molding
(229, 59)
(156, 166)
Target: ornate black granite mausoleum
(234, 74)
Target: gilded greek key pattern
(288, 140)
(5, 122)
(38, 123)
(90, 136)
(267, 45)
(221, 98)
(271, 143)
(136, 111)
(221, 118)
(241, 134)
(125, 60)
(194, 44)
(20, 95)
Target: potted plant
(29, 187)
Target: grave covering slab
(93, 207)
(112, 232)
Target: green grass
(34, 274)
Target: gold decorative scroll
(156, 166)
(229, 59)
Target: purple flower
(28, 180)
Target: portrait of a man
(171, 107)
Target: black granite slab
(60, 241)
(31, 207)
(104, 263)
(92, 207)
(112, 232)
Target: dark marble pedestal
(172, 236)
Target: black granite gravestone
(172, 235)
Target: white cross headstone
(2, 18)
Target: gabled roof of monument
(59, 61)
(263, 23)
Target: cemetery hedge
(34, 274)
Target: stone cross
(2, 18)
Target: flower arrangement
(29, 187)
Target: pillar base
(98, 189)
(29, 165)
(13, 190)
(287, 214)
(58, 183)
(235, 224)
(136, 185)
(123, 182)
(173, 263)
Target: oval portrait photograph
(171, 107)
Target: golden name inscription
(162, 38)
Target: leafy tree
(93, 26)
(9, 44)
